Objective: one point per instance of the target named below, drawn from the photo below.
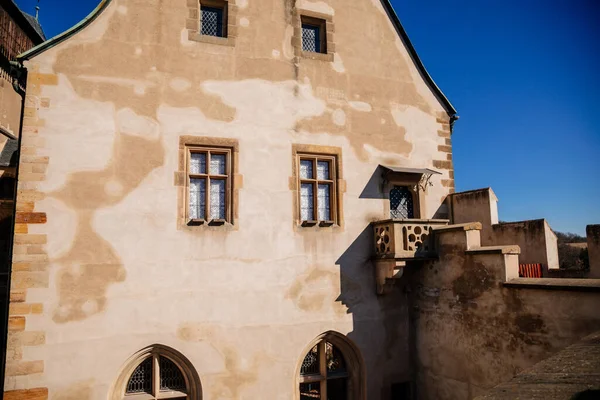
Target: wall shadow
(373, 188)
(380, 323)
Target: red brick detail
(30, 394)
(30, 218)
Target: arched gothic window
(331, 370)
(157, 373)
(401, 203)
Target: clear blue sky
(524, 76)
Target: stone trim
(181, 182)
(309, 149)
(445, 163)
(578, 285)
(329, 28)
(192, 22)
(29, 258)
(191, 376)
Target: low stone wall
(535, 238)
(475, 326)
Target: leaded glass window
(209, 187)
(212, 21)
(311, 40)
(401, 203)
(159, 378)
(323, 374)
(317, 189)
(313, 35)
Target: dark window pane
(337, 389)
(310, 365)
(335, 361)
(171, 377)
(211, 21)
(401, 391)
(310, 391)
(311, 38)
(141, 379)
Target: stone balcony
(405, 239)
(398, 241)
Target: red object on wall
(530, 270)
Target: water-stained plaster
(129, 86)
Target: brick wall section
(445, 163)
(30, 260)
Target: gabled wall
(101, 267)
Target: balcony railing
(405, 239)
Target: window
(317, 183)
(157, 372)
(401, 391)
(213, 18)
(401, 203)
(314, 38)
(323, 374)
(158, 377)
(209, 185)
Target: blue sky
(524, 76)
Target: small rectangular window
(313, 35)
(209, 194)
(213, 18)
(317, 183)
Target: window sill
(212, 222)
(223, 41)
(322, 224)
(328, 57)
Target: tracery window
(157, 377)
(324, 374)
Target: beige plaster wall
(99, 252)
(472, 332)
(535, 238)
(479, 205)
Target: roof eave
(419, 64)
(65, 35)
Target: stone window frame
(229, 17)
(208, 176)
(192, 379)
(188, 144)
(354, 362)
(328, 27)
(334, 154)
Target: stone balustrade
(405, 239)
